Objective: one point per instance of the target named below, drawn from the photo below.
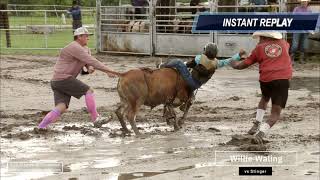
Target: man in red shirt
(272, 54)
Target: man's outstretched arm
(238, 65)
(245, 63)
(237, 57)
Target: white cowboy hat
(305, 0)
(270, 34)
(80, 31)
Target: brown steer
(151, 88)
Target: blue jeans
(183, 70)
(299, 38)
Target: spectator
(258, 2)
(138, 10)
(243, 3)
(194, 3)
(300, 39)
(75, 11)
(273, 8)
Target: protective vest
(204, 69)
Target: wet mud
(218, 120)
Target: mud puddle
(136, 175)
(143, 174)
(79, 152)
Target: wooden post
(98, 26)
(4, 22)
(152, 27)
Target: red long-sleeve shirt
(273, 58)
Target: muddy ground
(224, 109)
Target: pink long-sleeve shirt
(71, 60)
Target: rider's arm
(225, 62)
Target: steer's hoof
(181, 122)
(170, 121)
(125, 131)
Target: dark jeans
(76, 24)
(299, 39)
(183, 70)
(140, 11)
(299, 42)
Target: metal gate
(120, 30)
(166, 30)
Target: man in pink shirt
(64, 84)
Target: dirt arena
(224, 108)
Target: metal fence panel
(126, 43)
(180, 44)
(122, 31)
(230, 44)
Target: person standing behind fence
(243, 3)
(75, 12)
(300, 39)
(274, 6)
(258, 2)
(138, 10)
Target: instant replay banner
(250, 22)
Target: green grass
(22, 39)
(58, 39)
(45, 52)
